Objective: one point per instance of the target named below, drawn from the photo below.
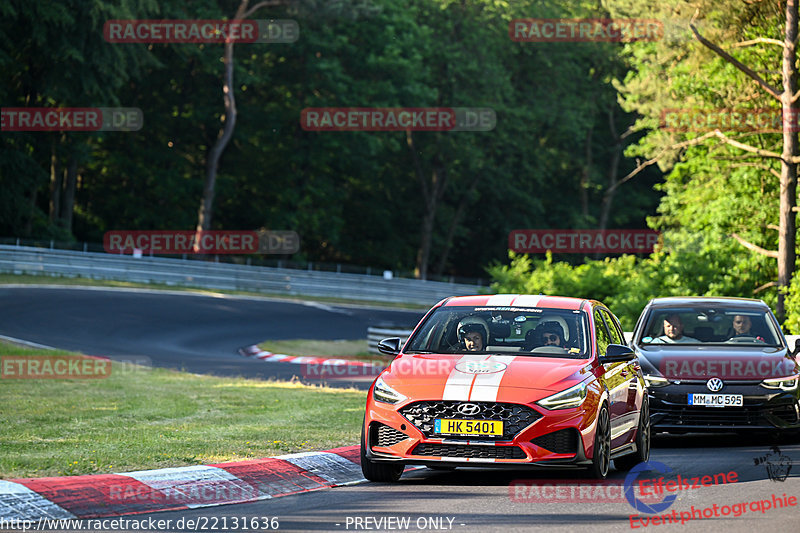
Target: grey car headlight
(384, 393)
(788, 383)
(571, 397)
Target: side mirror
(796, 351)
(390, 346)
(617, 353)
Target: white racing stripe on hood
(487, 385)
(527, 300)
(464, 387)
(501, 300)
(458, 383)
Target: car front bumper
(762, 409)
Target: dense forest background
(578, 141)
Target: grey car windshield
(742, 326)
(534, 331)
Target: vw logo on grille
(714, 384)
(469, 409)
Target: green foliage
(354, 197)
(792, 302)
(686, 264)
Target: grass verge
(143, 418)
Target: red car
(508, 381)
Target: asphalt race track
(192, 332)
(201, 334)
(480, 500)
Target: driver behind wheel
(473, 334)
(742, 327)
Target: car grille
(723, 416)
(515, 417)
(468, 451)
(562, 441)
(383, 435)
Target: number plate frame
(716, 400)
(473, 428)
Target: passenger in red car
(549, 334)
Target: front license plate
(716, 400)
(450, 426)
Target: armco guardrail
(178, 272)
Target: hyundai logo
(469, 409)
(714, 384)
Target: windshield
(533, 331)
(728, 325)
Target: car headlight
(787, 383)
(655, 381)
(384, 393)
(571, 397)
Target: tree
(674, 64)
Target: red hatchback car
(508, 381)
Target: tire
(643, 435)
(601, 457)
(381, 472)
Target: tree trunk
(787, 231)
(27, 229)
(68, 199)
(459, 214)
(585, 175)
(55, 184)
(613, 169)
(424, 252)
(205, 212)
(431, 193)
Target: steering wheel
(744, 339)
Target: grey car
(716, 364)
